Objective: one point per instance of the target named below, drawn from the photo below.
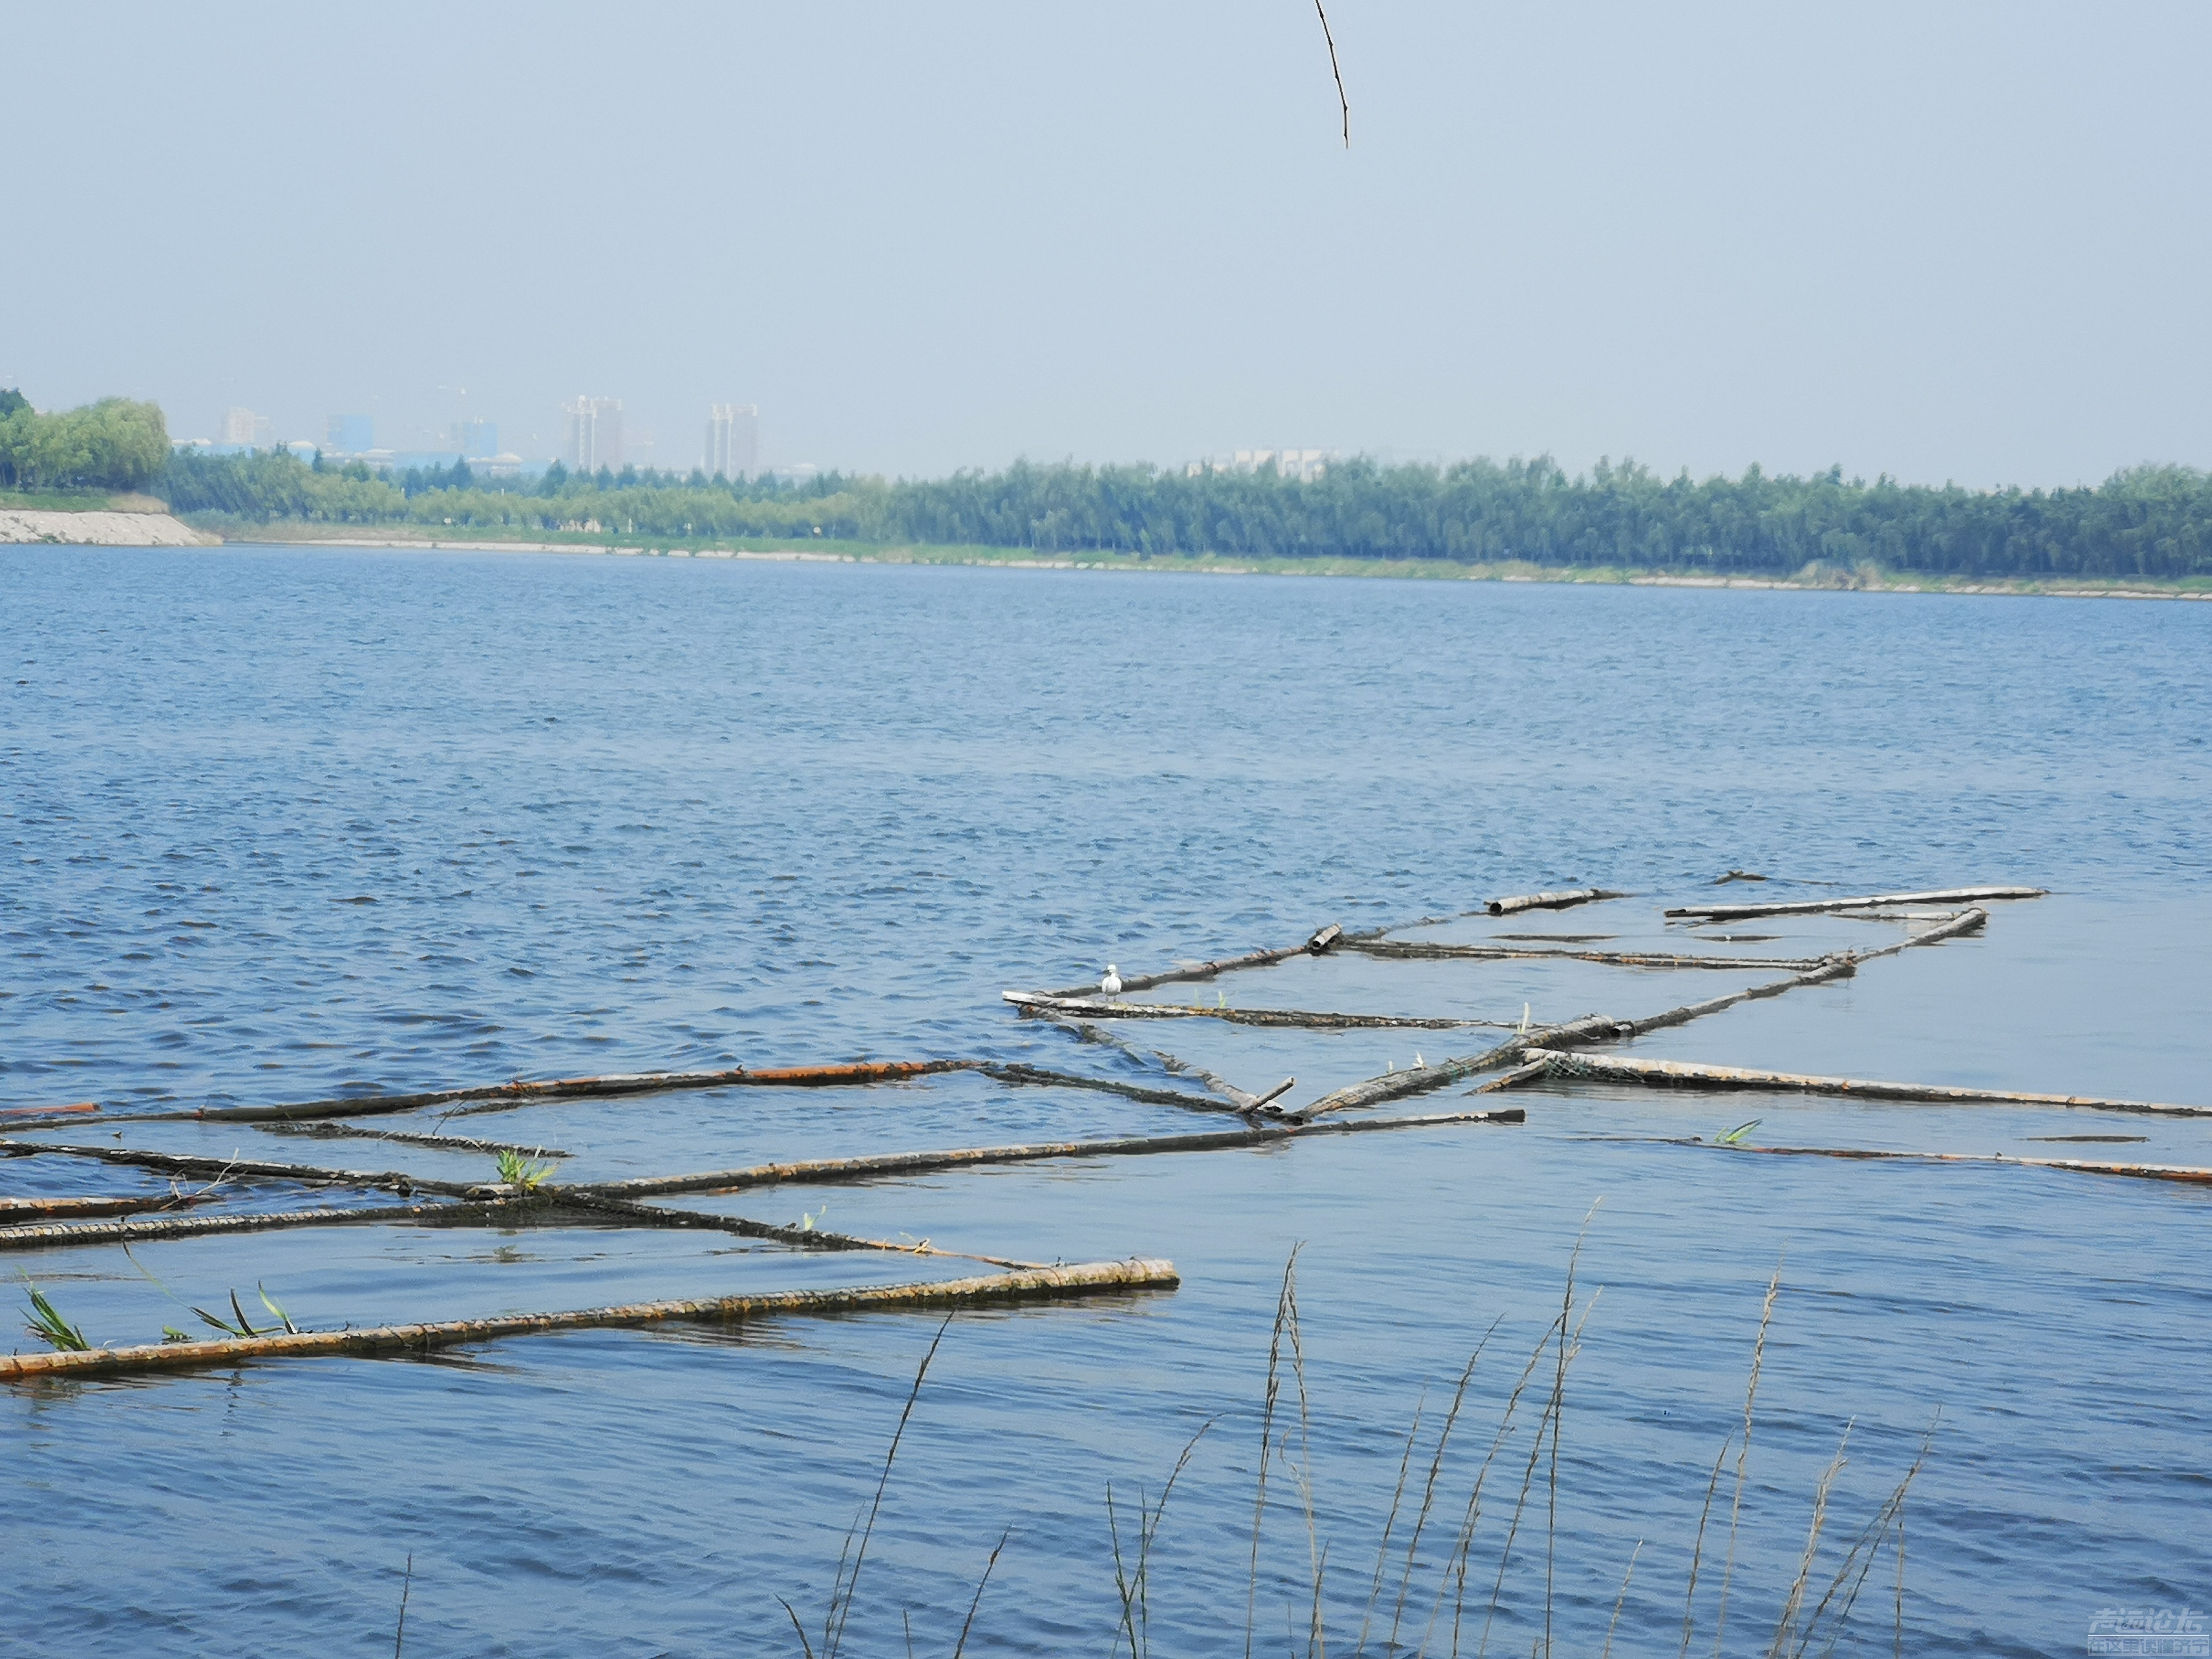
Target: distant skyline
(1965, 242)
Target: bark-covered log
(1414, 950)
(1420, 1079)
(825, 1171)
(1966, 921)
(131, 1229)
(1506, 907)
(1084, 1278)
(621, 1210)
(329, 1131)
(1038, 1077)
(1813, 907)
(2189, 1175)
(242, 1168)
(523, 1091)
(1100, 1008)
(1319, 943)
(17, 1211)
(1575, 1034)
(1684, 1074)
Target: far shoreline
(1813, 578)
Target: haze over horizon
(1960, 243)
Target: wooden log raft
(826, 1171)
(1812, 907)
(1506, 907)
(1044, 1283)
(1415, 950)
(1095, 1007)
(1682, 1074)
(1319, 944)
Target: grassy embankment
(77, 501)
(1865, 577)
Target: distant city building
(732, 439)
(244, 427)
(477, 439)
(595, 434)
(349, 434)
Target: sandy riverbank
(20, 525)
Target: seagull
(1419, 1065)
(1111, 984)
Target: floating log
(522, 1091)
(2186, 1174)
(14, 1210)
(808, 1238)
(328, 1130)
(1575, 1034)
(1420, 1079)
(1506, 907)
(1099, 1008)
(42, 1112)
(185, 1163)
(1966, 921)
(1038, 1077)
(1322, 940)
(826, 1171)
(1085, 1278)
(1682, 1074)
(1403, 950)
(1241, 1099)
(131, 1229)
(1811, 907)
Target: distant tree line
(2149, 521)
(114, 444)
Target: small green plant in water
(50, 1327)
(238, 1325)
(809, 1220)
(1734, 1137)
(518, 1172)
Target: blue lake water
(282, 823)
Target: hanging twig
(1342, 101)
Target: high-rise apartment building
(349, 434)
(477, 440)
(243, 426)
(732, 439)
(595, 434)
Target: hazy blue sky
(1961, 241)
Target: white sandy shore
(99, 529)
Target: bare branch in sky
(1334, 71)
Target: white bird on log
(1111, 984)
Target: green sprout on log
(1734, 1137)
(50, 1327)
(239, 1325)
(518, 1172)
